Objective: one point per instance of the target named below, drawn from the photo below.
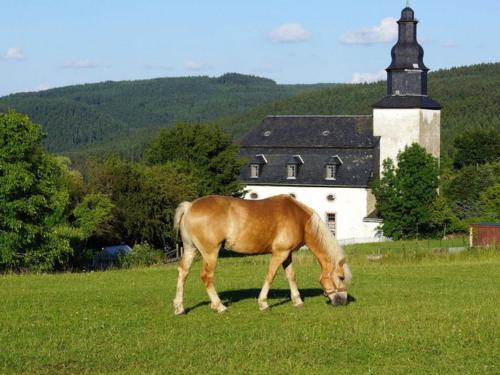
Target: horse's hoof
(298, 302)
(179, 311)
(221, 309)
(263, 306)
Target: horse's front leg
(290, 275)
(277, 259)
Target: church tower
(407, 114)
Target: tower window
(331, 171)
(254, 170)
(291, 171)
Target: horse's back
(248, 226)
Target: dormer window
(331, 167)
(254, 170)
(331, 171)
(256, 164)
(292, 166)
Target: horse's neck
(323, 255)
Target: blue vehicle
(108, 257)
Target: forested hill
(470, 97)
(82, 115)
(123, 116)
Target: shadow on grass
(229, 297)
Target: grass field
(412, 314)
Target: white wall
(402, 127)
(349, 206)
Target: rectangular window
(330, 222)
(254, 170)
(291, 171)
(331, 172)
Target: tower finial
(407, 3)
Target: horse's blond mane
(327, 241)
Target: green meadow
(409, 313)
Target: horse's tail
(181, 210)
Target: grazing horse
(278, 225)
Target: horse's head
(341, 277)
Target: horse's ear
(341, 262)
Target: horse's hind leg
(184, 265)
(207, 275)
(276, 260)
(290, 275)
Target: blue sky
(51, 43)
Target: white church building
(328, 162)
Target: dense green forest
(81, 115)
(124, 117)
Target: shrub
(142, 255)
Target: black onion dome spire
(407, 14)
(407, 74)
(407, 53)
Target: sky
(52, 43)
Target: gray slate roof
(312, 131)
(318, 140)
(407, 101)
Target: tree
(479, 146)
(92, 213)
(464, 190)
(406, 195)
(203, 148)
(33, 200)
(490, 200)
(144, 199)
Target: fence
(452, 245)
(174, 255)
(356, 240)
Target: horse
(278, 226)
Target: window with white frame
(254, 170)
(291, 170)
(331, 171)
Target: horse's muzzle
(338, 298)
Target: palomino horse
(278, 225)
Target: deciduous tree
(204, 148)
(406, 194)
(33, 201)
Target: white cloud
(450, 45)
(386, 32)
(82, 64)
(14, 54)
(158, 67)
(289, 33)
(368, 77)
(195, 65)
